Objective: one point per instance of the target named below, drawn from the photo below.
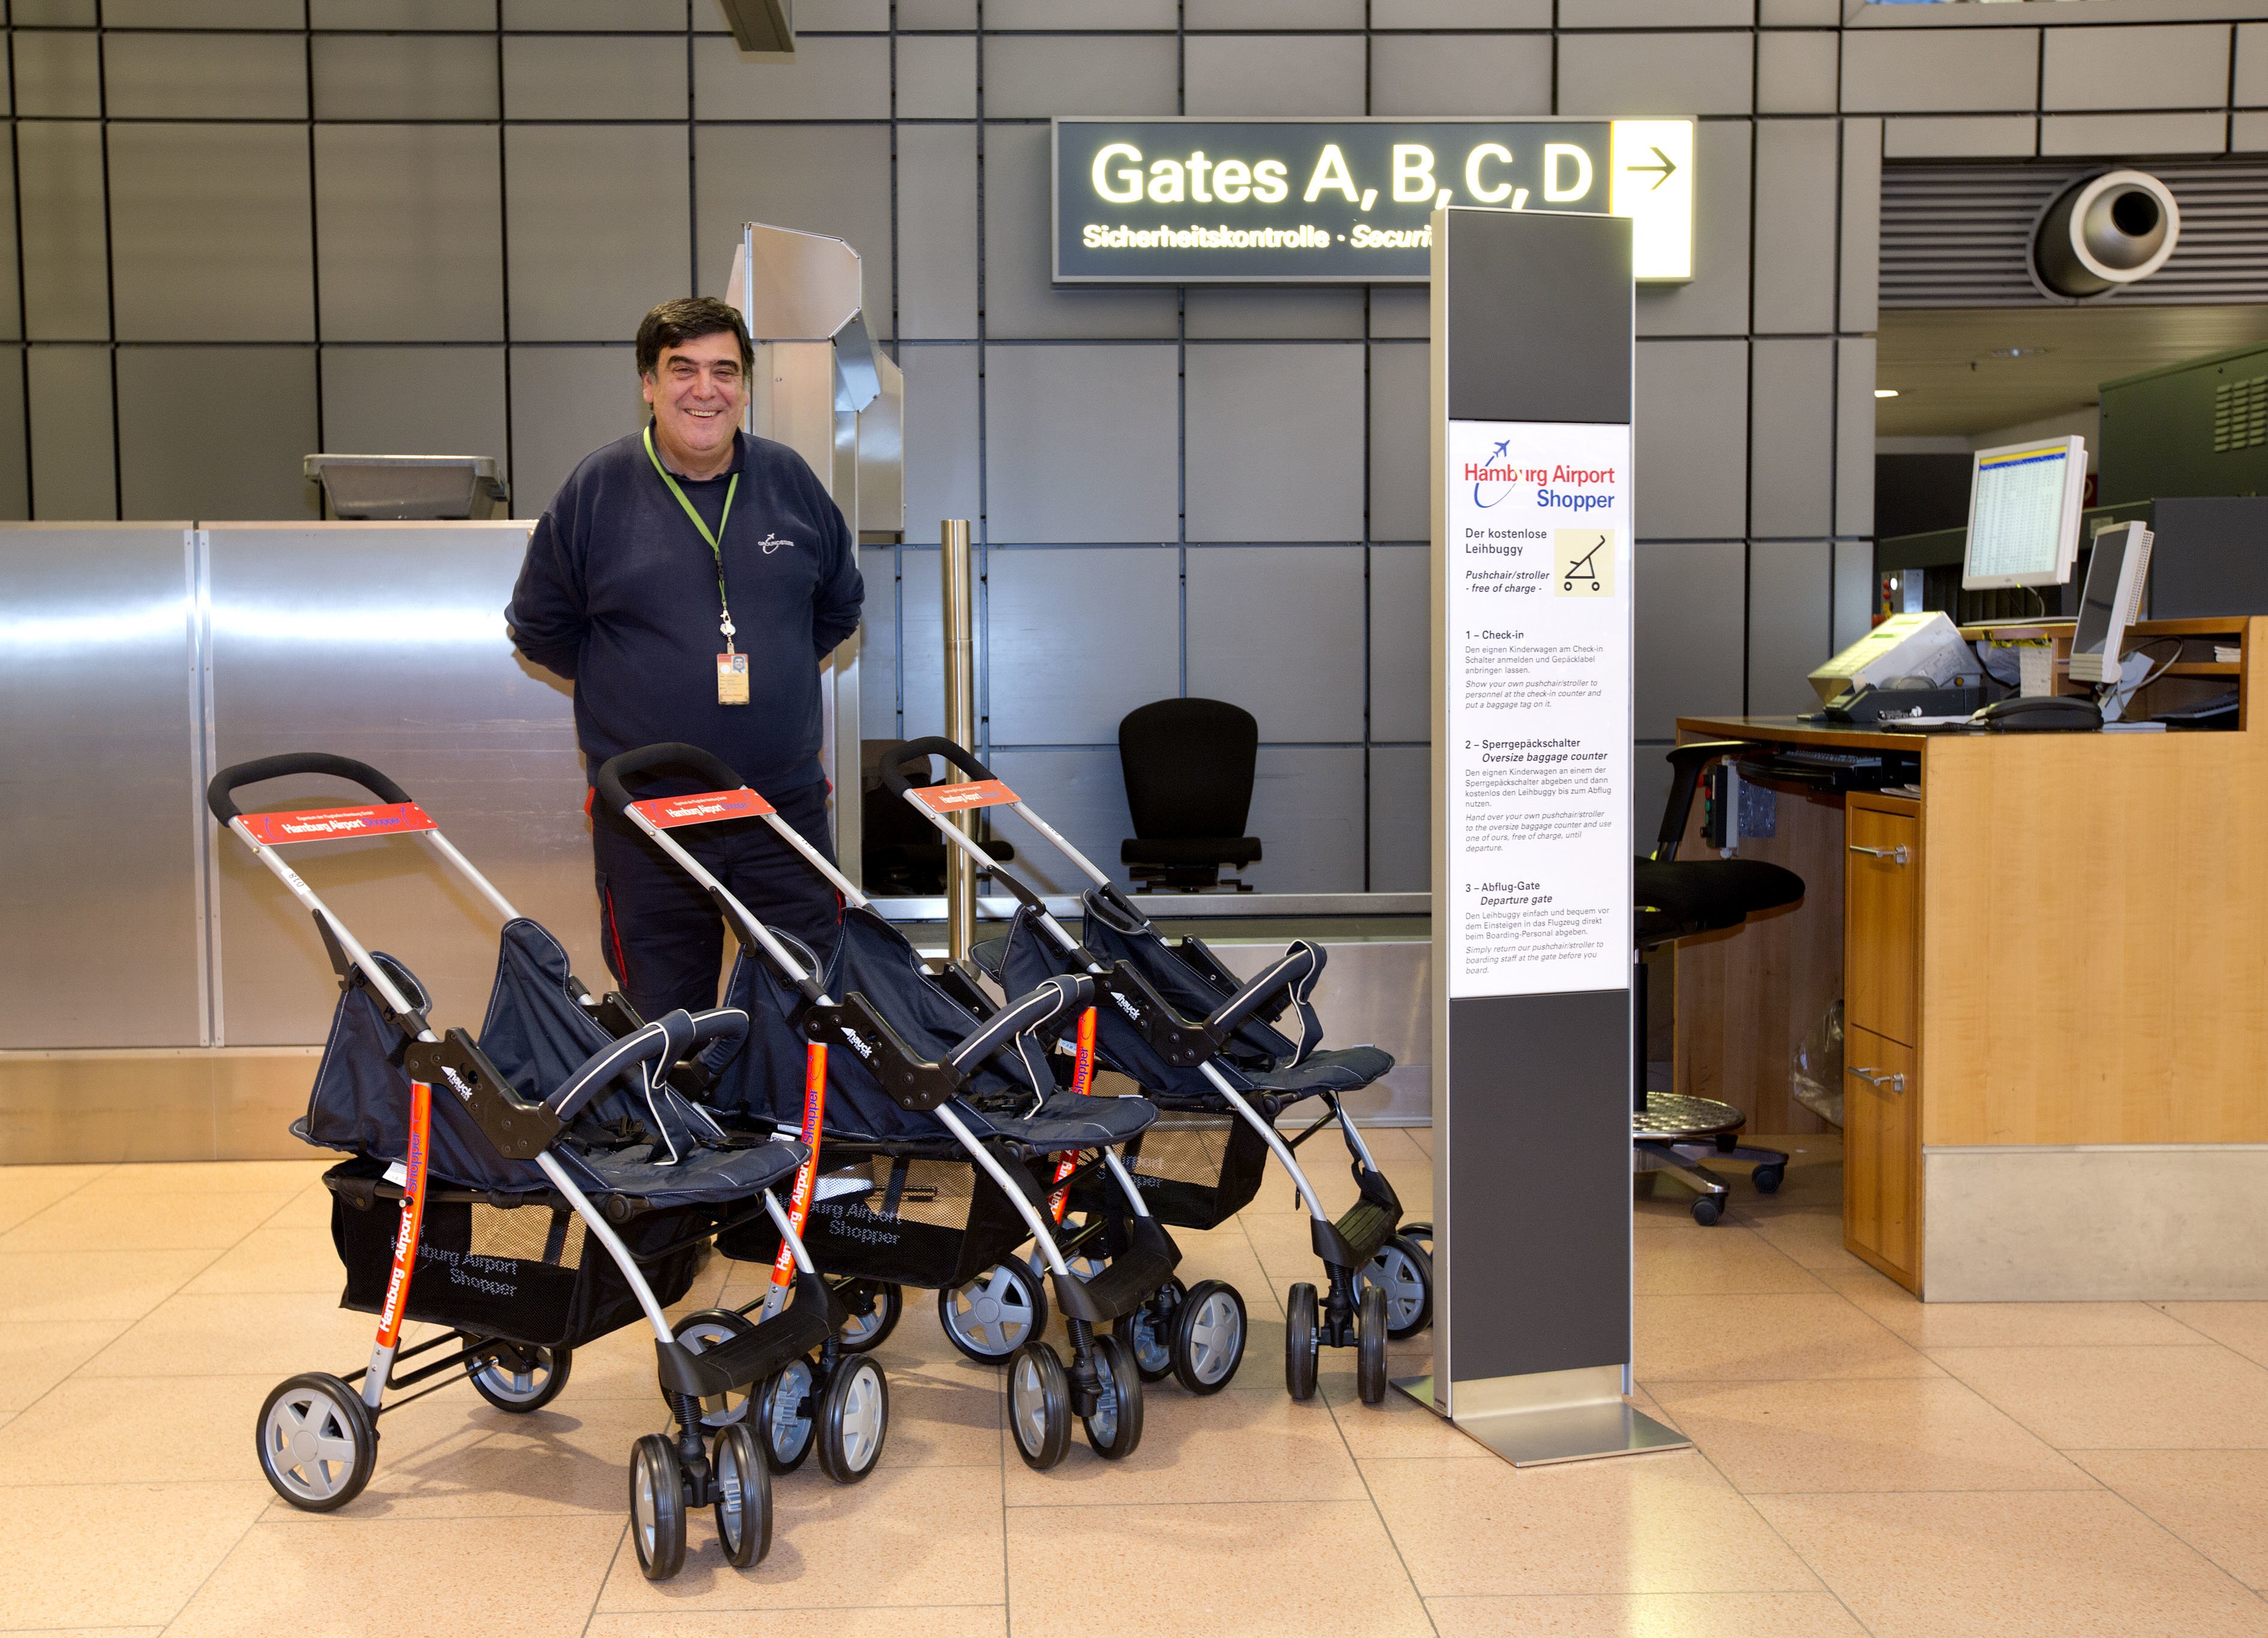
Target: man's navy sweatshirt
(618, 595)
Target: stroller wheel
(744, 1498)
(1300, 1342)
(514, 1376)
(995, 1314)
(1147, 1333)
(854, 1420)
(656, 1506)
(1422, 1233)
(705, 1330)
(866, 1330)
(784, 1422)
(1370, 1345)
(317, 1442)
(1404, 1271)
(1115, 1427)
(1039, 1405)
(1209, 1337)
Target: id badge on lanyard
(731, 666)
(732, 679)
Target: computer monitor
(2115, 575)
(2023, 513)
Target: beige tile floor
(1863, 1464)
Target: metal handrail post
(959, 723)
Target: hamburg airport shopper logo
(1494, 478)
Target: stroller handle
(220, 795)
(720, 774)
(1064, 993)
(894, 761)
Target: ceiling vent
(1965, 235)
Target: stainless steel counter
(164, 995)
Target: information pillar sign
(1536, 622)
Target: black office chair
(1189, 765)
(1677, 899)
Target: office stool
(1669, 1131)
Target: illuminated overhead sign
(1298, 201)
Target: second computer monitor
(2024, 503)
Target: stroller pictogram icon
(1583, 568)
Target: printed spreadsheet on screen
(2017, 517)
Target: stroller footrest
(1132, 1278)
(744, 1360)
(1355, 1238)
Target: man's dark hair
(688, 318)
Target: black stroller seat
(712, 1175)
(1068, 1120)
(1337, 1070)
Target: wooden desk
(2070, 956)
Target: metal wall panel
(1400, 643)
(1401, 494)
(1308, 811)
(385, 642)
(215, 431)
(593, 238)
(204, 76)
(937, 78)
(826, 79)
(1274, 442)
(937, 288)
(409, 222)
(1081, 444)
(1643, 74)
(1258, 617)
(1039, 75)
(1246, 75)
(1247, 312)
(558, 77)
(1454, 74)
(1692, 439)
(1791, 618)
(211, 233)
(74, 464)
(1402, 825)
(1798, 165)
(405, 77)
(1076, 638)
(1791, 449)
(100, 895)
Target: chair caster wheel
(1706, 1210)
(1768, 1178)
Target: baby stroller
(934, 1121)
(1202, 1044)
(556, 1190)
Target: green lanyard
(723, 518)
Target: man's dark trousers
(665, 941)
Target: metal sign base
(1538, 1438)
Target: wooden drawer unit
(1881, 916)
(1882, 1155)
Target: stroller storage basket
(1191, 1175)
(525, 1273)
(930, 1223)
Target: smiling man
(691, 580)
